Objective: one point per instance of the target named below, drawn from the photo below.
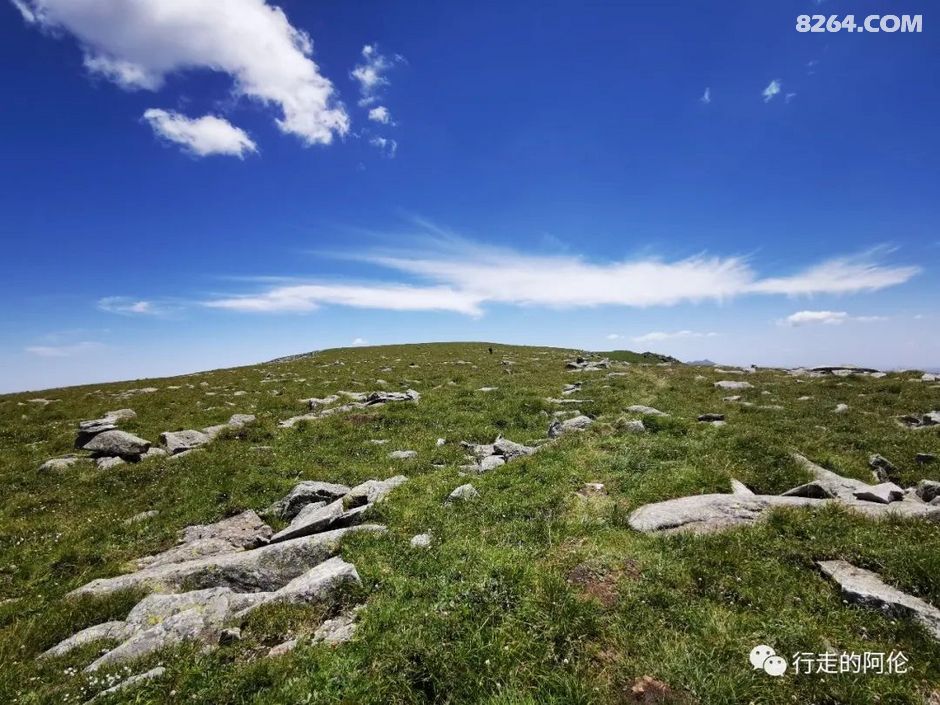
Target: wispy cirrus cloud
(131, 306)
(659, 336)
(86, 346)
(830, 318)
(454, 275)
(392, 297)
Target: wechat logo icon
(763, 656)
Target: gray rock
(480, 450)
(119, 415)
(319, 584)
(645, 410)
(240, 420)
(372, 491)
(925, 458)
(711, 418)
(868, 589)
(115, 631)
(202, 624)
(282, 649)
(593, 489)
(631, 426)
(230, 635)
(263, 569)
(928, 490)
(56, 464)
(464, 493)
(491, 462)
(733, 384)
(920, 421)
(882, 469)
(304, 493)
(142, 516)
(201, 548)
(739, 488)
(108, 462)
(510, 450)
(840, 408)
(127, 683)
(421, 541)
(560, 428)
(814, 489)
(179, 441)
(316, 518)
(402, 454)
(153, 453)
(336, 631)
(885, 493)
(117, 443)
(710, 512)
(244, 530)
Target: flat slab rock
(867, 588)
(714, 512)
(203, 616)
(262, 569)
(710, 512)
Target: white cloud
(127, 306)
(64, 350)
(614, 336)
(788, 97)
(658, 336)
(386, 145)
(462, 277)
(308, 297)
(200, 136)
(842, 275)
(380, 114)
(371, 74)
(706, 96)
(359, 341)
(138, 43)
(772, 89)
(28, 14)
(831, 318)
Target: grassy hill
(648, 358)
(530, 594)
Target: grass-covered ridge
(528, 595)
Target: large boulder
(119, 443)
(180, 441)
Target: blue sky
(203, 186)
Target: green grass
(498, 611)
